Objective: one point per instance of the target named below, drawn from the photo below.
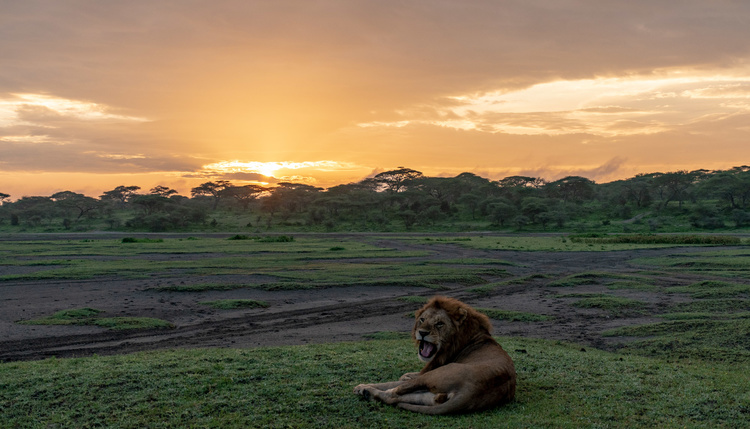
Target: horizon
(97, 95)
(187, 193)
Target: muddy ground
(317, 316)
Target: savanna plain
(230, 330)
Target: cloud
(480, 85)
(607, 107)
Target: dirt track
(314, 316)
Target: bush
(142, 240)
(741, 218)
(657, 239)
(242, 237)
(277, 239)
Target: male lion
(466, 369)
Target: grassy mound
(560, 385)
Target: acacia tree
(733, 186)
(572, 188)
(72, 200)
(212, 189)
(521, 182)
(638, 190)
(120, 193)
(245, 194)
(295, 196)
(674, 186)
(151, 203)
(162, 191)
(32, 210)
(3, 197)
(396, 180)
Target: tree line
(405, 199)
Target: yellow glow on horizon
(269, 169)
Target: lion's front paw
(360, 389)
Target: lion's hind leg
(409, 376)
(375, 390)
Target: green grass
(300, 260)
(713, 289)
(551, 244)
(513, 316)
(605, 302)
(190, 245)
(726, 263)
(642, 285)
(490, 287)
(723, 339)
(710, 329)
(65, 317)
(472, 261)
(414, 299)
(559, 386)
(202, 287)
(595, 277)
(232, 304)
(264, 239)
(141, 240)
(719, 306)
(122, 323)
(90, 317)
(388, 335)
(671, 239)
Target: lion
(465, 370)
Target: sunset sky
(96, 94)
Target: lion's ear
(462, 314)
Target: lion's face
(433, 331)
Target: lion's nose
(424, 333)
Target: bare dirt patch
(322, 315)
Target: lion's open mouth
(427, 349)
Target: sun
(268, 168)
(265, 168)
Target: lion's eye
(421, 320)
(439, 325)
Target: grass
(713, 289)
(602, 301)
(718, 306)
(233, 304)
(472, 261)
(513, 316)
(690, 369)
(295, 264)
(90, 317)
(721, 339)
(559, 386)
(414, 299)
(711, 329)
(141, 240)
(670, 239)
(202, 287)
(490, 287)
(613, 304)
(595, 277)
(264, 239)
(590, 244)
(287, 259)
(725, 263)
(492, 313)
